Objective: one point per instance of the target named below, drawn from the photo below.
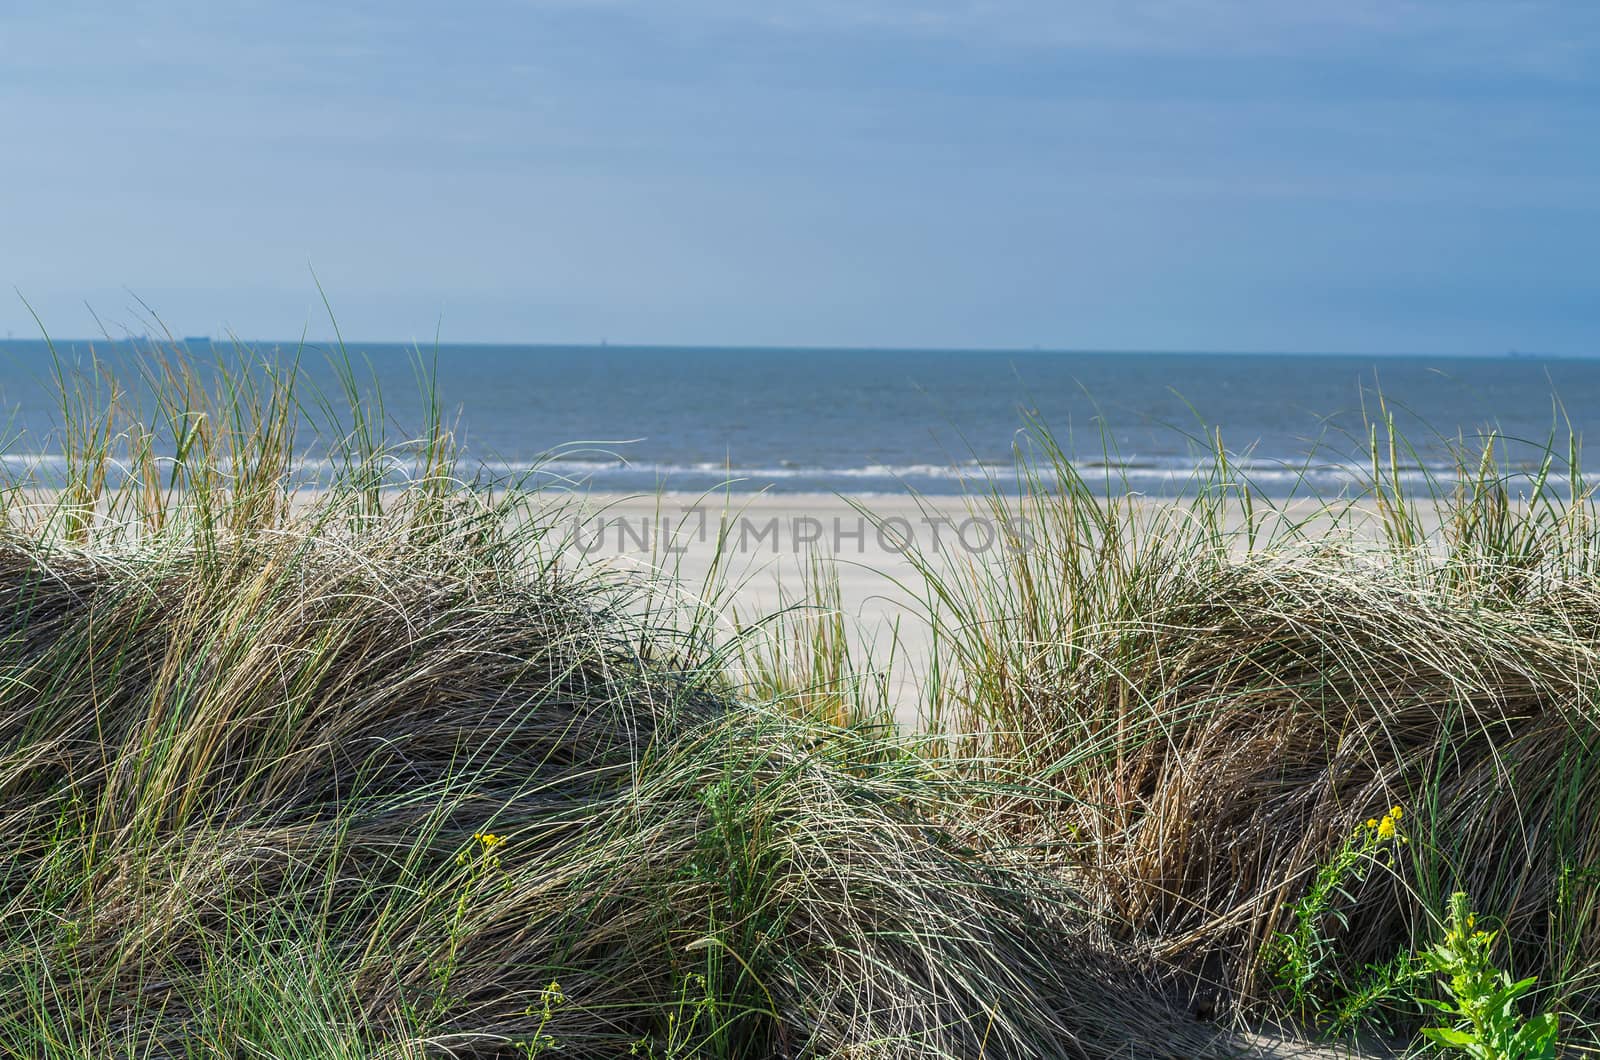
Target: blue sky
(1361, 175)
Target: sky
(1365, 176)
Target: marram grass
(355, 767)
(1218, 691)
(365, 773)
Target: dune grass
(1220, 691)
(351, 761)
(355, 766)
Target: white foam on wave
(1157, 474)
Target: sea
(865, 421)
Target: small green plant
(1378, 989)
(482, 861)
(683, 1036)
(550, 999)
(1483, 998)
(1303, 955)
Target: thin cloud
(1533, 36)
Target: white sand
(760, 548)
(766, 543)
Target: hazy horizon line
(356, 345)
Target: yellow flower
(1372, 822)
(1396, 812)
(1386, 827)
(489, 839)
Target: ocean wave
(1160, 474)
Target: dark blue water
(879, 420)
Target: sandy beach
(755, 555)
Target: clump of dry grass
(363, 773)
(1218, 691)
(275, 741)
